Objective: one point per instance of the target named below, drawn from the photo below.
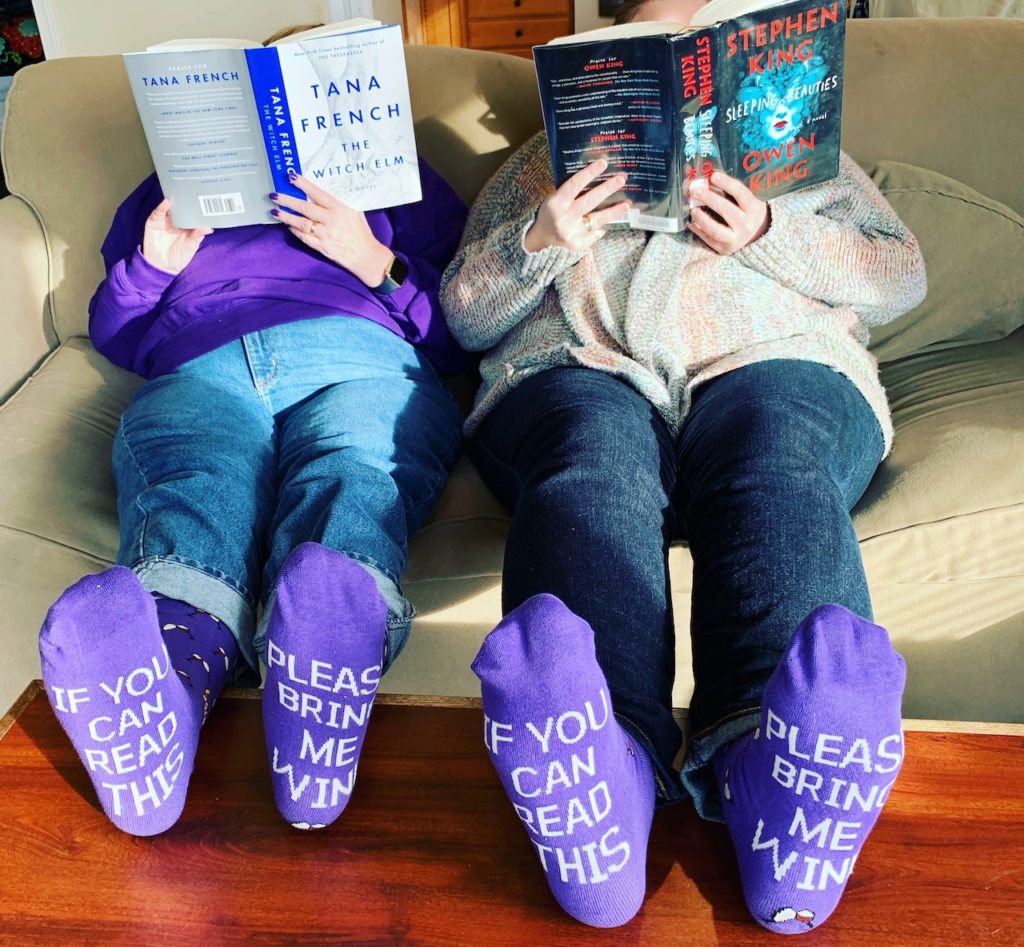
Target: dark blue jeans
(759, 482)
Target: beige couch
(942, 524)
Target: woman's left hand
(744, 217)
(334, 229)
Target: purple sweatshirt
(245, 279)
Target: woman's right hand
(568, 217)
(168, 247)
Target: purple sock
(325, 648)
(113, 687)
(202, 649)
(803, 790)
(582, 787)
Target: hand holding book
(332, 228)
(167, 247)
(727, 217)
(569, 218)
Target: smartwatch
(394, 276)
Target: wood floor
(430, 852)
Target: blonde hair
(288, 31)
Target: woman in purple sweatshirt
(292, 434)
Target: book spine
(782, 73)
(698, 118)
(275, 118)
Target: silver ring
(312, 228)
(588, 223)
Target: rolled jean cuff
(665, 779)
(209, 591)
(399, 621)
(697, 775)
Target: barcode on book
(220, 205)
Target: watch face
(398, 272)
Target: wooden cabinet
(505, 26)
(514, 26)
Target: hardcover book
(750, 87)
(226, 121)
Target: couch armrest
(25, 318)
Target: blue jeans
(333, 430)
(759, 482)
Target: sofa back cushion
(473, 110)
(73, 150)
(935, 93)
(939, 93)
(973, 250)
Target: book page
(203, 132)
(330, 29)
(619, 31)
(200, 42)
(716, 10)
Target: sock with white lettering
(803, 790)
(582, 787)
(131, 719)
(325, 652)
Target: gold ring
(312, 228)
(588, 223)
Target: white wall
(100, 27)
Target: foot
(325, 653)
(111, 682)
(802, 792)
(202, 648)
(581, 786)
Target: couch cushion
(58, 517)
(473, 109)
(55, 441)
(974, 252)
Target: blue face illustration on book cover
(782, 104)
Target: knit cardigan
(664, 312)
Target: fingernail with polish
(274, 196)
(275, 212)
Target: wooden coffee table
(430, 852)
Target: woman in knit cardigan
(713, 386)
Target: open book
(226, 120)
(751, 87)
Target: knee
(794, 419)
(611, 445)
(611, 479)
(761, 441)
